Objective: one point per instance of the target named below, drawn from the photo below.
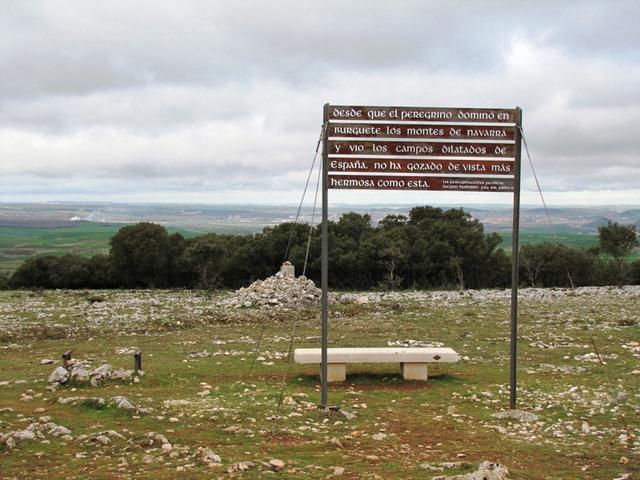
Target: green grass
(564, 236)
(170, 326)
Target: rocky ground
(206, 404)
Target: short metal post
(66, 357)
(514, 264)
(137, 362)
(325, 263)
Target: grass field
(567, 237)
(564, 236)
(204, 393)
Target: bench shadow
(379, 379)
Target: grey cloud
(212, 96)
(71, 47)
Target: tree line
(430, 248)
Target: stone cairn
(283, 289)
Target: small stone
(46, 361)
(519, 415)
(100, 374)
(336, 442)
(123, 403)
(623, 460)
(102, 439)
(24, 435)
(79, 374)
(337, 471)
(206, 456)
(240, 467)
(122, 374)
(452, 410)
(59, 375)
(276, 465)
(379, 436)
(166, 448)
(348, 415)
(59, 431)
(485, 471)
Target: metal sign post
(325, 261)
(420, 148)
(514, 264)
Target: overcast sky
(221, 101)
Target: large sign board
(421, 149)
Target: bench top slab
(376, 355)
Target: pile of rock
(77, 373)
(485, 471)
(35, 431)
(119, 401)
(283, 289)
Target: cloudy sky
(221, 101)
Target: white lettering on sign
(418, 184)
(391, 183)
(485, 133)
(357, 130)
(415, 149)
(351, 182)
(424, 131)
(476, 115)
(424, 167)
(422, 115)
(348, 165)
(464, 150)
(501, 168)
(347, 113)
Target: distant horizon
(308, 204)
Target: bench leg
(414, 371)
(336, 372)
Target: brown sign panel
(422, 114)
(384, 165)
(461, 132)
(424, 183)
(422, 149)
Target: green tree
(618, 241)
(142, 256)
(555, 265)
(207, 256)
(634, 273)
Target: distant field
(564, 236)
(86, 238)
(570, 238)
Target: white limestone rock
(59, 376)
(519, 415)
(486, 471)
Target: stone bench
(413, 361)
